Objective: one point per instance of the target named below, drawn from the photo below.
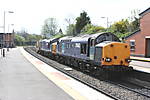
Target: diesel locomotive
(94, 53)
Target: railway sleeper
(106, 72)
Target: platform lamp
(4, 30)
(106, 20)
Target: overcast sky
(30, 14)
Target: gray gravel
(115, 90)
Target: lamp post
(9, 26)
(4, 30)
(106, 20)
(5, 18)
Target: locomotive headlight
(108, 59)
(128, 60)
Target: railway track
(122, 85)
(65, 72)
(133, 86)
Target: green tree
(120, 26)
(124, 27)
(50, 27)
(38, 37)
(134, 20)
(71, 30)
(70, 26)
(90, 29)
(23, 38)
(60, 31)
(81, 21)
(135, 24)
(58, 36)
(19, 40)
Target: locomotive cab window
(92, 42)
(83, 48)
(98, 54)
(132, 45)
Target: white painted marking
(140, 58)
(68, 69)
(143, 69)
(74, 88)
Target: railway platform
(19, 80)
(24, 77)
(140, 64)
(140, 59)
(0, 53)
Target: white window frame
(132, 47)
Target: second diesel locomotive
(93, 53)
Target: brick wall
(140, 36)
(139, 41)
(8, 39)
(145, 24)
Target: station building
(140, 40)
(7, 40)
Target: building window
(132, 45)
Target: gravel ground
(118, 92)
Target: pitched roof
(141, 14)
(137, 31)
(145, 11)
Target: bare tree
(70, 25)
(50, 27)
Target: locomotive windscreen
(106, 37)
(98, 53)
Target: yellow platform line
(69, 90)
(140, 59)
(147, 70)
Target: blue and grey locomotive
(89, 52)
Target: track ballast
(111, 88)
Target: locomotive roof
(79, 38)
(89, 35)
(45, 40)
(50, 40)
(65, 38)
(102, 44)
(54, 40)
(85, 37)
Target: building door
(147, 47)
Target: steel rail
(65, 72)
(32, 52)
